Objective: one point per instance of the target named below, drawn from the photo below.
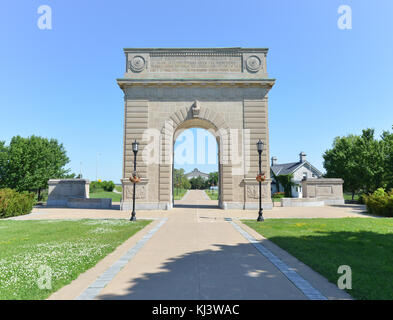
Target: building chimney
(302, 156)
(274, 161)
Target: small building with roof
(301, 170)
(196, 173)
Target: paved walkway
(191, 258)
(196, 198)
(199, 253)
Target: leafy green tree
(213, 179)
(387, 138)
(31, 162)
(180, 181)
(362, 161)
(194, 183)
(3, 162)
(370, 155)
(286, 181)
(178, 174)
(198, 183)
(341, 162)
(185, 183)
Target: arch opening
(196, 170)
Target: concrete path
(191, 258)
(196, 199)
(194, 196)
(199, 254)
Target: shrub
(380, 203)
(108, 185)
(362, 199)
(13, 203)
(278, 195)
(94, 186)
(102, 185)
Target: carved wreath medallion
(137, 64)
(140, 192)
(253, 64)
(253, 192)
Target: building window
(304, 175)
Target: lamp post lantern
(134, 179)
(260, 178)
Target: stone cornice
(327, 181)
(171, 51)
(264, 83)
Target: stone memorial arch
(223, 90)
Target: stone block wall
(60, 190)
(329, 190)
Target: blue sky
(60, 83)
(196, 148)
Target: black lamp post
(260, 149)
(135, 146)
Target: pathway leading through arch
(196, 199)
(201, 254)
(191, 253)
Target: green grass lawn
(213, 195)
(179, 193)
(364, 244)
(68, 248)
(119, 188)
(116, 197)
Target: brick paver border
(303, 285)
(94, 289)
